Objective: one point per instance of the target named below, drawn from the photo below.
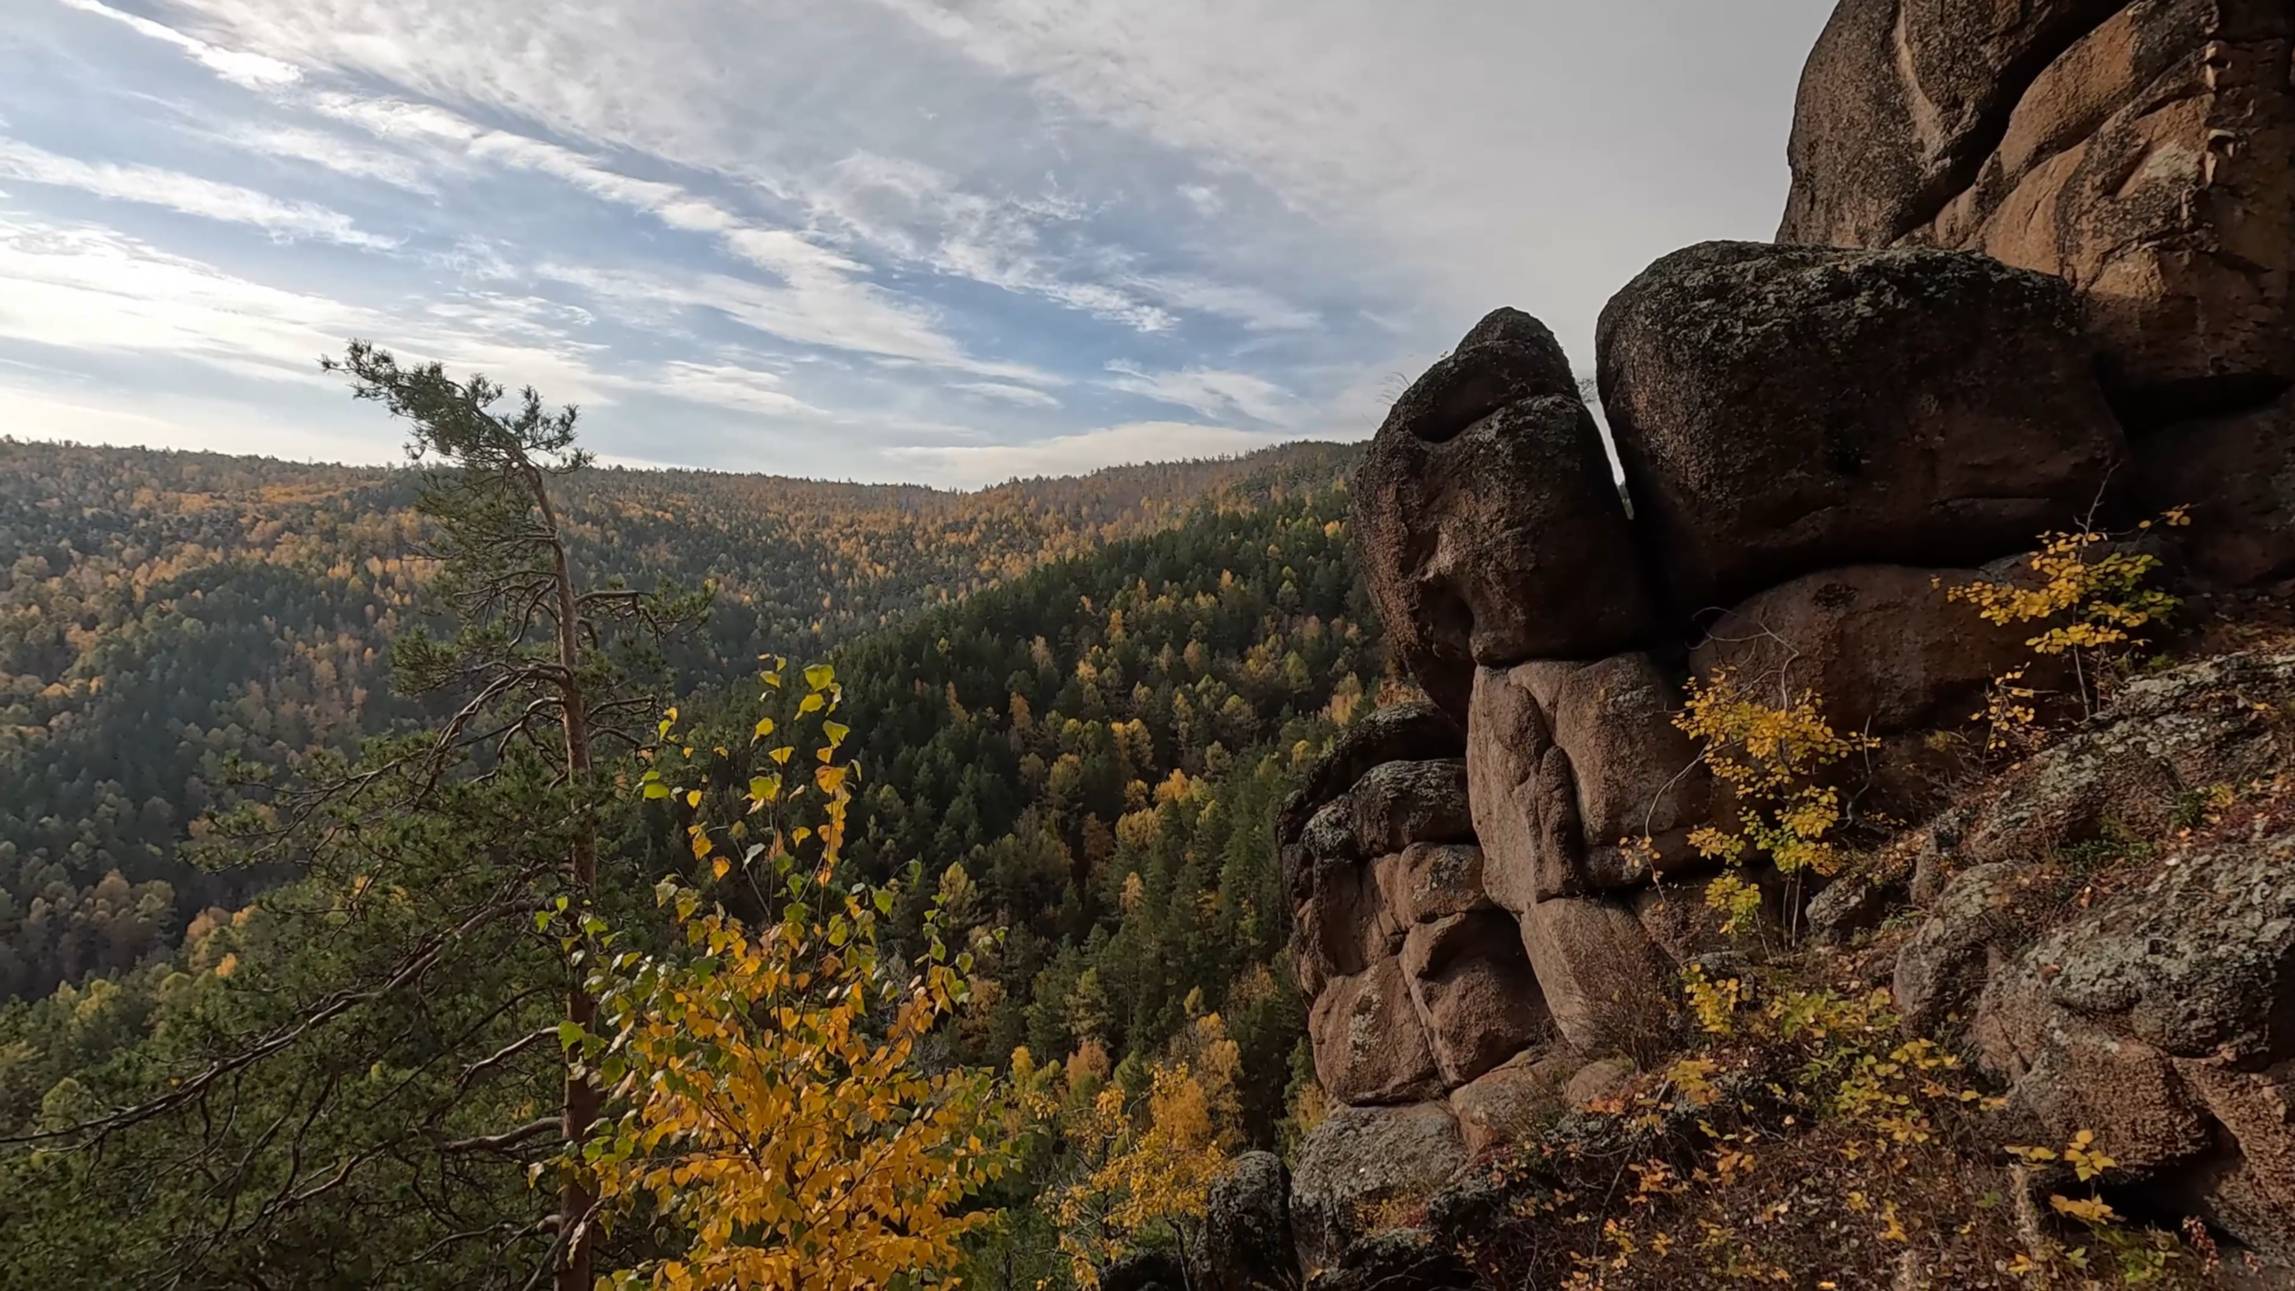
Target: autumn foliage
(774, 1116)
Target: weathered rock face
(2237, 474)
(1474, 991)
(1247, 1243)
(1429, 881)
(1568, 761)
(1397, 804)
(1490, 529)
(1604, 981)
(2145, 152)
(1369, 1044)
(1317, 823)
(1417, 981)
(2212, 722)
(1740, 384)
(2165, 1022)
(2025, 225)
(1508, 1103)
(1882, 644)
(1344, 928)
(2204, 723)
(1360, 1157)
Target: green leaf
(569, 1034)
(657, 790)
(884, 900)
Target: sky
(940, 241)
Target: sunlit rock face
(2144, 152)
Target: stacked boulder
(1495, 890)
(1427, 1018)
(2042, 275)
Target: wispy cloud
(1210, 391)
(1007, 393)
(336, 153)
(252, 71)
(923, 215)
(188, 194)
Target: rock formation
(1495, 531)
(2047, 280)
(1992, 426)
(2144, 152)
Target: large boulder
(1884, 646)
(1359, 1159)
(1513, 1100)
(1780, 410)
(1474, 991)
(1316, 823)
(1247, 1243)
(2163, 1021)
(1606, 984)
(1489, 527)
(1343, 927)
(1397, 804)
(2145, 152)
(1369, 1045)
(1429, 881)
(2237, 475)
(1567, 762)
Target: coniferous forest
(285, 932)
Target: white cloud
(724, 385)
(252, 71)
(1008, 393)
(187, 194)
(79, 287)
(923, 215)
(1210, 391)
(793, 314)
(972, 466)
(1261, 311)
(335, 153)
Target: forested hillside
(165, 614)
(1070, 772)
